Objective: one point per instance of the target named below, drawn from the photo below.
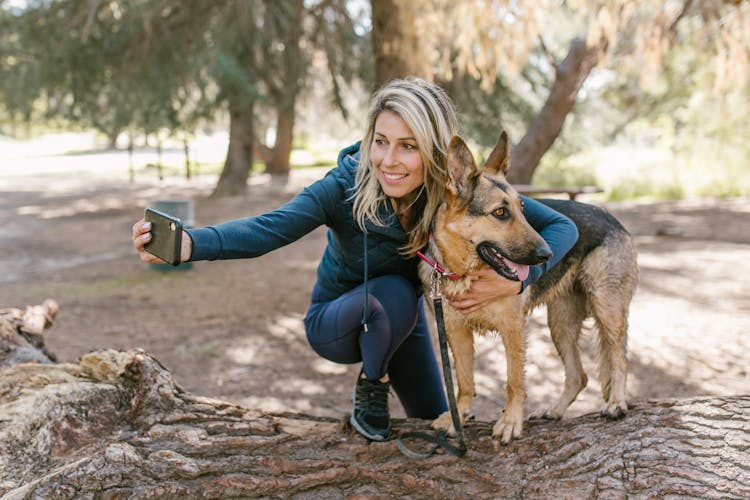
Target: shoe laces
(372, 396)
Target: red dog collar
(437, 267)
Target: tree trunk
(233, 179)
(116, 425)
(395, 41)
(186, 151)
(548, 123)
(112, 140)
(159, 163)
(278, 159)
(131, 167)
(286, 97)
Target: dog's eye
(500, 213)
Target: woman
(366, 305)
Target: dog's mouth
(502, 266)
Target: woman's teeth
(393, 177)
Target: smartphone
(166, 236)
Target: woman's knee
(395, 292)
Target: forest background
(641, 98)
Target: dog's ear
(498, 159)
(461, 166)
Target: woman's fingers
(464, 306)
(141, 227)
(141, 236)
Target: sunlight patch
(78, 207)
(244, 354)
(299, 386)
(329, 367)
(287, 327)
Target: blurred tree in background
(398, 48)
(525, 64)
(165, 64)
(560, 76)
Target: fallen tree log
(116, 425)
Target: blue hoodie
(329, 202)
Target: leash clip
(435, 292)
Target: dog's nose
(543, 253)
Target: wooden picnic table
(571, 191)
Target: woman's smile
(393, 177)
(396, 157)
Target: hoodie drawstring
(364, 306)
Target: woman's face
(395, 156)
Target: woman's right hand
(486, 286)
(142, 235)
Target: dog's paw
(614, 410)
(509, 426)
(444, 423)
(541, 414)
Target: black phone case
(166, 236)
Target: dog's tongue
(522, 271)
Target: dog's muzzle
(493, 256)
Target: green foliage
(699, 128)
(109, 65)
(484, 111)
(678, 109)
(151, 65)
(165, 67)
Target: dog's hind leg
(611, 316)
(461, 343)
(614, 274)
(565, 315)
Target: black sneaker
(370, 416)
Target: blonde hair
(429, 113)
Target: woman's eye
(500, 213)
(379, 142)
(409, 147)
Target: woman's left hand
(486, 286)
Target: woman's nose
(390, 157)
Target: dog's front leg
(461, 343)
(510, 423)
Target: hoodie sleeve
(558, 231)
(254, 236)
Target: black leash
(441, 440)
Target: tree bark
(116, 425)
(548, 123)
(239, 161)
(395, 41)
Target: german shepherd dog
(479, 224)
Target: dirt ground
(233, 330)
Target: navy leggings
(397, 341)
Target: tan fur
(608, 275)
